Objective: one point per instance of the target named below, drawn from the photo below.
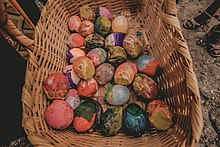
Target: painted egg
(135, 120)
(59, 114)
(75, 40)
(159, 114)
(120, 24)
(86, 13)
(74, 53)
(56, 85)
(87, 88)
(111, 121)
(94, 41)
(117, 95)
(72, 98)
(71, 76)
(104, 73)
(97, 56)
(116, 55)
(103, 26)
(84, 67)
(103, 11)
(86, 28)
(114, 39)
(74, 23)
(132, 45)
(125, 73)
(145, 87)
(147, 64)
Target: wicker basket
(178, 82)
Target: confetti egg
(84, 67)
(104, 73)
(103, 26)
(86, 13)
(116, 55)
(75, 40)
(74, 53)
(145, 87)
(56, 85)
(74, 23)
(71, 76)
(117, 94)
(103, 11)
(94, 41)
(97, 56)
(120, 24)
(114, 39)
(59, 114)
(159, 114)
(132, 45)
(147, 64)
(87, 88)
(72, 98)
(86, 28)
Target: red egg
(87, 88)
(86, 28)
(74, 23)
(56, 85)
(59, 114)
(75, 40)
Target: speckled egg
(94, 41)
(160, 115)
(86, 13)
(145, 87)
(125, 73)
(114, 39)
(75, 40)
(116, 55)
(86, 28)
(97, 56)
(71, 76)
(72, 98)
(117, 94)
(103, 25)
(74, 23)
(103, 11)
(104, 73)
(56, 85)
(135, 121)
(147, 64)
(84, 67)
(74, 53)
(59, 114)
(87, 88)
(120, 24)
(111, 121)
(132, 45)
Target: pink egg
(103, 11)
(59, 114)
(74, 53)
(72, 98)
(86, 28)
(75, 40)
(120, 24)
(74, 23)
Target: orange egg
(74, 23)
(75, 40)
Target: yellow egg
(120, 24)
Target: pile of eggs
(102, 53)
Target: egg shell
(114, 39)
(111, 121)
(103, 25)
(132, 45)
(74, 53)
(74, 23)
(97, 56)
(75, 40)
(135, 121)
(72, 98)
(120, 24)
(159, 114)
(86, 13)
(71, 76)
(59, 114)
(147, 64)
(145, 86)
(125, 73)
(104, 73)
(86, 28)
(117, 95)
(84, 67)
(103, 11)
(94, 41)
(56, 85)
(116, 55)
(87, 88)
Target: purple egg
(71, 76)
(114, 39)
